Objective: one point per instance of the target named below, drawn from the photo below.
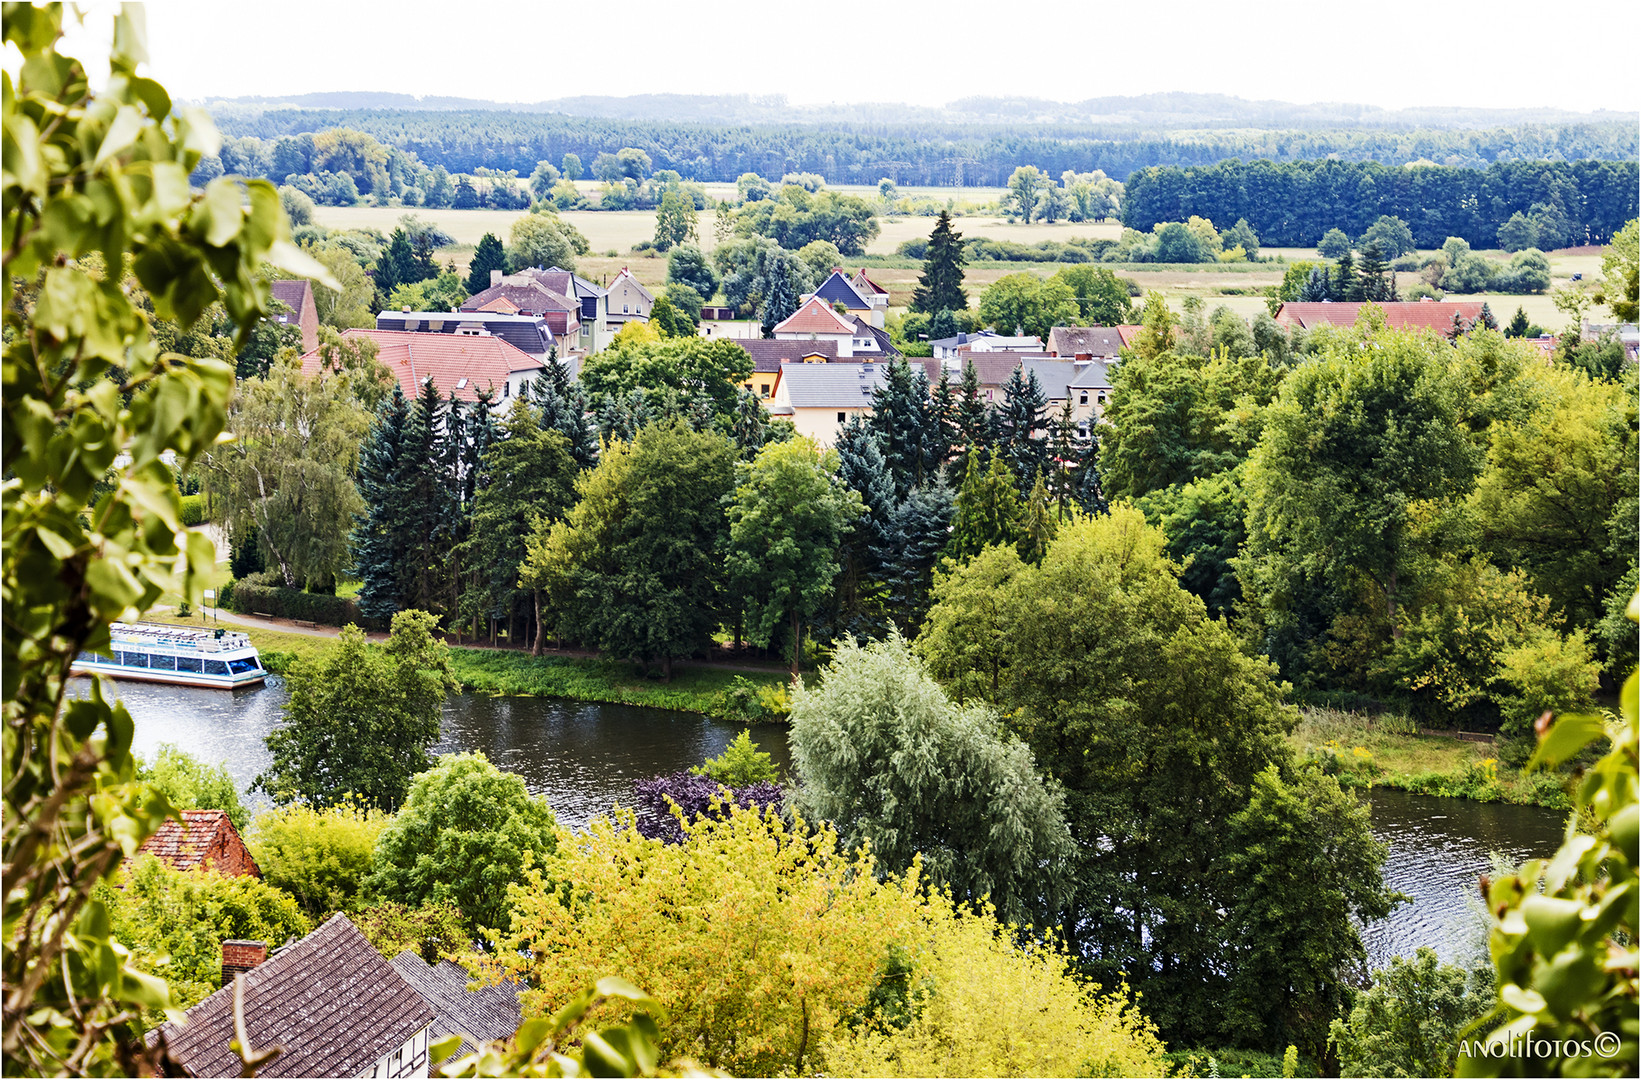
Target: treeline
(1294, 204)
(924, 154)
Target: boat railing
(185, 638)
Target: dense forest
(1293, 204)
(911, 153)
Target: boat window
(162, 662)
(134, 659)
(187, 663)
(240, 667)
(215, 667)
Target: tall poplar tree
(940, 286)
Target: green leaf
(1571, 733)
(1526, 1001)
(443, 1048)
(127, 125)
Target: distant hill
(1167, 110)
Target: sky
(1391, 53)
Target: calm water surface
(584, 758)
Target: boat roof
(168, 633)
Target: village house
(820, 398)
(462, 364)
(985, 341)
(202, 840)
(1086, 342)
(538, 336)
(297, 295)
(816, 321)
(875, 295)
(843, 292)
(719, 321)
(626, 301)
(334, 1004)
(599, 312)
(769, 354)
(1399, 315)
(482, 1015)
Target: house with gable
(626, 301)
(817, 322)
(1086, 342)
(481, 1015)
(333, 1004)
(839, 290)
(537, 335)
(768, 354)
(202, 840)
(462, 364)
(297, 295)
(874, 294)
(820, 398)
(560, 296)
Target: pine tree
(562, 406)
(1018, 422)
(860, 585)
(1456, 330)
(425, 488)
(1088, 491)
(941, 434)
(988, 508)
(1037, 523)
(916, 535)
(1486, 318)
(1344, 284)
(974, 421)
(901, 417)
(377, 555)
(488, 256)
(1371, 275)
(1518, 324)
(1315, 290)
(1063, 457)
(940, 287)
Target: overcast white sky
(1393, 53)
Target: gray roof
(830, 386)
(1085, 340)
(490, 1012)
(885, 346)
(331, 1000)
(528, 333)
(1054, 376)
(1094, 375)
(991, 339)
(838, 289)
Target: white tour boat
(185, 655)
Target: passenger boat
(182, 655)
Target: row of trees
(1293, 204)
(463, 141)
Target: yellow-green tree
(91, 180)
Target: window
(625, 309)
(133, 659)
(843, 418)
(1084, 400)
(763, 389)
(241, 666)
(163, 663)
(215, 667)
(188, 663)
(1102, 401)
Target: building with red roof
(202, 840)
(1399, 315)
(461, 363)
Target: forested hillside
(912, 152)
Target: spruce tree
(1456, 330)
(1518, 324)
(562, 406)
(988, 508)
(860, 585)
(1315, 289)
(1064, 455)
(1372, 275)
(941, 432)
(488, 256)
(397, 263)
(1037, 523)
(1086, 485)
(1345, 285)
(1017, 424)
(901, 417)
(425, 488)
(1486, 318)
(940, 287)
(377, 540)
(974, 422)
(917, 533)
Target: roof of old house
(183, 845)
(1094, 375)
(293, 293)
(490, 1012)
(1129, 331)
(837, 289)
(770, 354)
(882, 344)
(331, 1000)
(1400, 315)
(829, 386)
(993, 369)
(815, 317)
(631, 280)
(1085, 340)
(462, 363)
(531, 291)
(1054, 376)
(864, 284)
(532, 334)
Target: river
(584, 757)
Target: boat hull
(174, 678)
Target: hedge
(282, 603)
(193, 510)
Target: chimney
(405, 309)
(495, 278)
(238, 957)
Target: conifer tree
(398, 263)
(1017, 424)
(917, 533)
(749, 426)
(1486, 318)
(488, 256)
(1372, 275)
(942, 433)
(1345, 285)
(1064, 456)
(940, 286)
(974, 422)
(1315, 289)
(562, 407)
(378, 558)
(426, 490)
(1518, 324)
(860, 584)
(988, 509)
(1037, 523)
(1456, 330)
(902, 416)
(1086, 486)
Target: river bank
(1364, 750)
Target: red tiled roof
(815, 317)
(1400, 315)
(500, 305)
(861, 278)
(483, 360)
(1128, 332)
(202, 840)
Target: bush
(193, 510)
(696, 796)
(250, 598)
(741, 764)
(321, 857)
(191, 784)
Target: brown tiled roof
(200, 841)
(993, 368)
(293, 293)
(530, 292)
(490, 1012)
(1400, 315)
(500, 305)
(769, 355)
(1100, 341)
(483, 360)
(815, 317)
(330, 1000)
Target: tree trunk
(535, 649)
(512, 620)
(797, 642)
(1390, 608)
(666, 667)
(740, 620)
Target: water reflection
(584, 758)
